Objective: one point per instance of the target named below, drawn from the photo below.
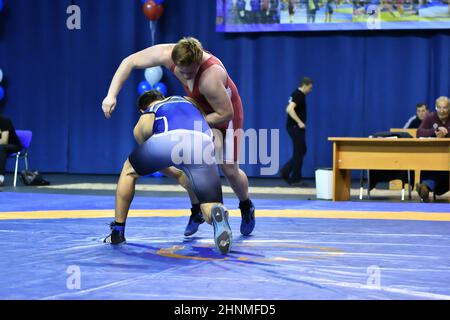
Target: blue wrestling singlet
(181, 138)
(177, 113)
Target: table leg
(341, 185)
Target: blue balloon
(1, 5)
(143, 87)
(2, 93)
(161, 87)
(153, 75)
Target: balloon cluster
(153, 9)
(2, 91)
(152, 80)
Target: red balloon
(152, 10)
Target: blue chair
(25, 140)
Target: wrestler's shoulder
(213, 73)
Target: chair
(375, 176)
(25, 140)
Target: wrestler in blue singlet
(181, 138)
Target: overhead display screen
(314, 15)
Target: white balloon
(1, 75)
(153, 75)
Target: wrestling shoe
(222, 230)
(248, 217)
(195, 220)
(117, 235)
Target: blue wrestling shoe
(195, 220)
(248, 217)
(117, 235)
(222, 230)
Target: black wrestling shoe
(248, 217)
(195, 220)
(117, 235)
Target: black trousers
(438, 181)
(292, 170)
(5, 150)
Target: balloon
(153, 75)
(143, 87)
(152, 10)
(2, 93)
(161, 87)
(1, 73)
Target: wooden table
(385, 154)
(412, 132)
(397, 184)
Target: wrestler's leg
(236, 177)
(183, 181)
(196, 218)
(206, 183)
(125, 192)
(205, 180)
(147, 158)
(124, 195)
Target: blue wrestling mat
(285, 258)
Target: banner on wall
(315, 15)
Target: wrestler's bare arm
(159, 55)
(212, 86)
(144, 128)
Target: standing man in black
(296, 124)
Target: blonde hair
(187, 51)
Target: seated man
(173, 132)
(415, 121)
(436, 124)
(9, 143)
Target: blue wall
(56, 78)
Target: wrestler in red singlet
(238, 118)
